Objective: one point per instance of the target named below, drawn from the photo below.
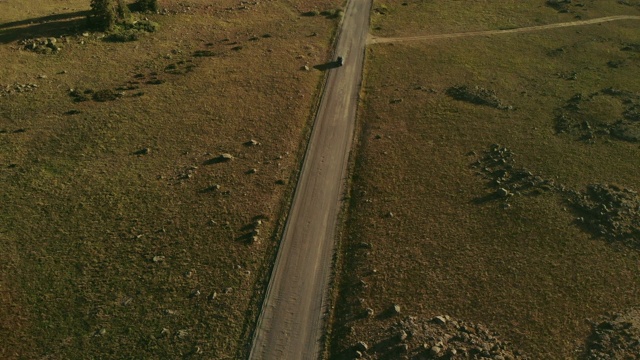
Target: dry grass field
(393, 18)
(427, 230)
(122, 234)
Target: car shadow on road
(327, 66)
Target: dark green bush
(105, 95)
(131, 31)
(145, 5)
(103, 15)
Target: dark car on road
(339, 61)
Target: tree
(105, 14)
(146, 5)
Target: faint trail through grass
(379, 40)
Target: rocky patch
(505, 179)
(477, 95)
(581, 118)
(441, 337)
(617, 337)
(17, 89)
(609, 211)
(42, 45)
(559, 5)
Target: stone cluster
(617, 337)
(441, 337)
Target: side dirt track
(381, 40)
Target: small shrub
(105, 95)
(204, 53)
(131, 31)
(80, 95)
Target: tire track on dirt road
(381, 40)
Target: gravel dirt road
(291, 322)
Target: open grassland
(392, 18)
(428, 232)
(122, 233)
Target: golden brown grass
(83, 216)
(526, 272)
(415, 17)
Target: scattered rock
(617, 337)
(252, 142)
(402, 335)
(577, 118)
(143, 151)
(16, 88)
(182, 334)
(361, 346)
(435, 351)
(42, 45)
(225, 157)
(395, 309)
(610, 211)
(502, 192)
(429, 339)
(212, 188)
(497, 165)
(158, 258)
(439, 320)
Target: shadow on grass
(215, 160)
(327, 66)
(46, 26)
(487, 198)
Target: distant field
(417, 17)
(439, 237)
(122, 235)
